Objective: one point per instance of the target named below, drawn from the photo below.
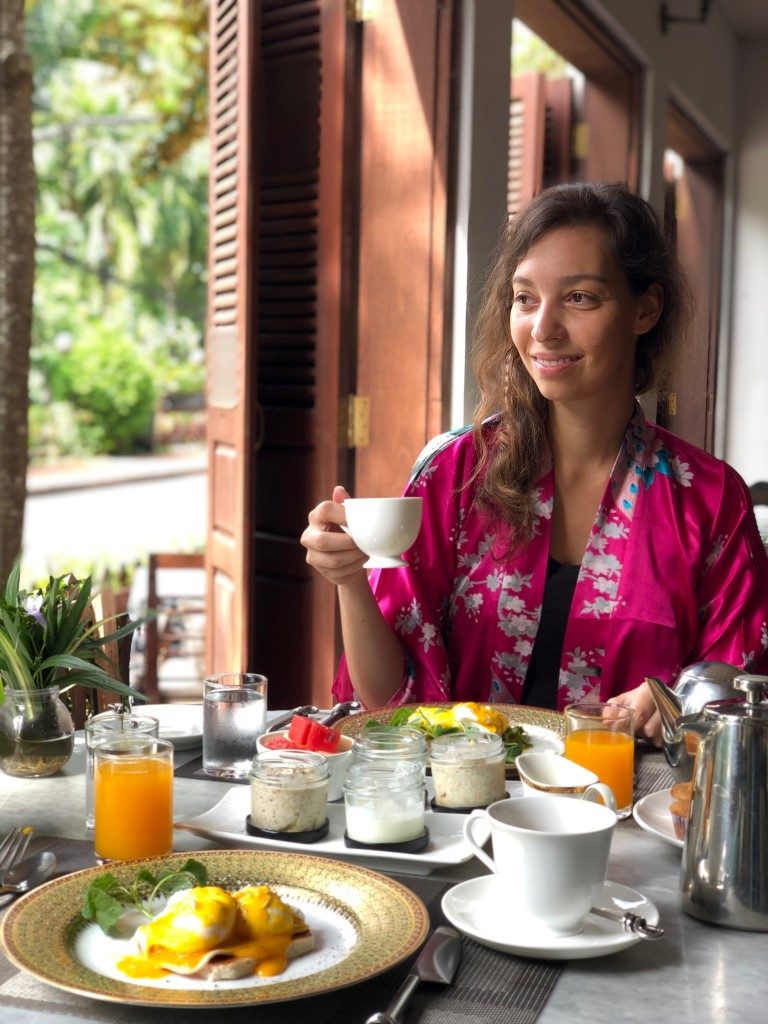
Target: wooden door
(694, 217)
(234, 87)
(606, 128)
(404, 97)
(331, 283)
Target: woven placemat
(652, 773)
(194, 770)
(489, 986)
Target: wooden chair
(85, 701)
(172, 610)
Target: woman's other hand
(647, 718)
(329, 550)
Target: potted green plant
(49, 642)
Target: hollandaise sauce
(205, 923)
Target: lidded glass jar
(468, 769)
(385, 802)
(289, 791)
(401, 744)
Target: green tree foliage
(120, 127)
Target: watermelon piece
(298, 730)
(278, 743)
(322, 739)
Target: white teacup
(547, 774)
(550, 855)
(339, 763)
(383, 528)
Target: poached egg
(197, 925)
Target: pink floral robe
(674, 572)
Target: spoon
(28, 873)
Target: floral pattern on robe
(674, 572)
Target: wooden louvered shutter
(232, 284)
(527, 121)
(300, 167)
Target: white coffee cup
(550, 855)
(383, 528)
(548, 774)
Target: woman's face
(574, 320)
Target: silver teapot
(725, 857)
(696, 686)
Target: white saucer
(652, 814)
(475, 908)
(182, 724)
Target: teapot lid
(754, 708)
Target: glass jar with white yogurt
(289, 792)
(392, 744)
(468, 770)
(385, 802)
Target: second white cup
(550, 855)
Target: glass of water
(110, 725)
(234, 715)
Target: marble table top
(698, 973)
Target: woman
(569, 548)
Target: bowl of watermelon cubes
(306, 734)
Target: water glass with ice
(110, 725)
(234, 716)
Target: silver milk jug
(725, 857)
(696, 686)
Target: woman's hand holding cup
(329, 549)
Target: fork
(12, 849)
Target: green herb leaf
(401, 716)
(106, 898)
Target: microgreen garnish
(107, 898)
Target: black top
(540, 687)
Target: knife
(437, 962)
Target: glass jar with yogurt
(385, 803)
(289, 793)
(467, 770)
(401, 744)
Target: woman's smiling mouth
(553, 364)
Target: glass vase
(36, 732)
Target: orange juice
(133, 807)
(610, 755)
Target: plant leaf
(12, 586)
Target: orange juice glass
(133, 798)
(601, 737)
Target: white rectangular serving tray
(225, 824)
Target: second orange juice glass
(601, 737)
(133, 798)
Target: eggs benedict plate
(268, 927)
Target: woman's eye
(582, 298)
(521, 299)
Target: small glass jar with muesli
(289, 794)
(467, 770)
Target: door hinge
(361, 10)
(672, 403)
(355, 421)
(580, 141)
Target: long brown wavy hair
(509, 459)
